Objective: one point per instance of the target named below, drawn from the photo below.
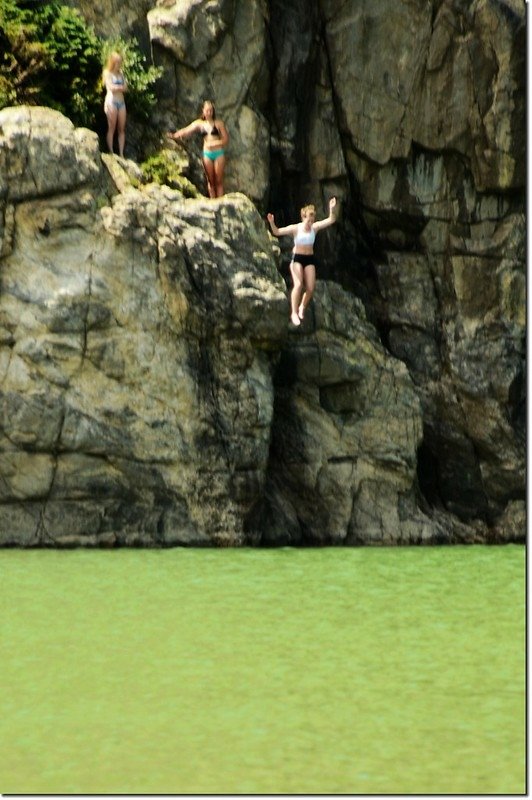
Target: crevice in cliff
(42, 534)
(11, 348)
(27, 163)
(517, 405)
(191, 271)
(292, 52)
(357, 242)
(85, 332)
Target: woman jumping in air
(303, 264)
(215, 138)
(115, 104)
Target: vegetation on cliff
(167, 168)
(49, 55)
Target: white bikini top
(304, 237)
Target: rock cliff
(151, 391)
(138, 333)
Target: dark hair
(213, 109)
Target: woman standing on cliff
(303, 264)
(215, 138)
(115, 104)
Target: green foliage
(166, 168)
(73, 79)
(49, 55)
(24, 59)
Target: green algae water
(359, 671)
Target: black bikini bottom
(304, 260)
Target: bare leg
(121, 130)
(309, 279)
(219, 168)
(208, 166)
(296, 271)
(112, 116)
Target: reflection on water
(279, 671)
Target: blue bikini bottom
(213, 154)
(118, 104)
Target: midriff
(304, 250)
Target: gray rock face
(136, 353)
(216, 49)
(445, 209)
(427, 104)
(116, 18)
(413, 115)
(346, 429)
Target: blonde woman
(215, 138)
(115, 104)
(303, 264)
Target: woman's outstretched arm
(188, 130)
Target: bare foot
(301, 311)
(295, 319)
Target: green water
(358, 671)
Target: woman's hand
(332, 203)
(270, 219)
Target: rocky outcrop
(139, 332)
(112, 19)
(347, 425)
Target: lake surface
(359, 671)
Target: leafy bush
(73, 84)
(166, 168)
(24, 60)
(49, 55)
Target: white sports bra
(304, 237)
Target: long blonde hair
(111, 64)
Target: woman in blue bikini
(215, 138)
(303, 264)
(115, 105)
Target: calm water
(279, 671)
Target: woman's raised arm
(330, 220)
